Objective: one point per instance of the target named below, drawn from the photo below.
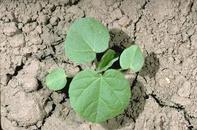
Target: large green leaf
(56, 79)
(107, 60)
(132, 58)
(98, 97)
(85, 38)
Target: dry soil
(164, 93)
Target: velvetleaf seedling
(101, 94)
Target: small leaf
(99, 97)
(107, 60)
(56, 79)
(85, 38)
(132, 58)
(109, 64)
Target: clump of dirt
(164, 93)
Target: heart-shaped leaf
(107, 60)
(85, 38)
(98, 97)
(132, 58)
(56, 79)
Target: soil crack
(16, 71)
(73, 2)
(175, 106)
(139, 18)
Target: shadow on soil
(151, 66)
(66, 88)
(136, 106)
(119, 41)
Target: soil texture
(164, 92)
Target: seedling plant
(100, 94)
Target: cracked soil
(164, 92)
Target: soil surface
(164, 93)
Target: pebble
(168, 80)
(20, 25)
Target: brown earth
(32, 33)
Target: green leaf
(85, 38)
(98, 97)
(56, 79)
(107, 60)
(132, 58)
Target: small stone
(184, 91)
(10, 29)
(20, 25)
(168, 80)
